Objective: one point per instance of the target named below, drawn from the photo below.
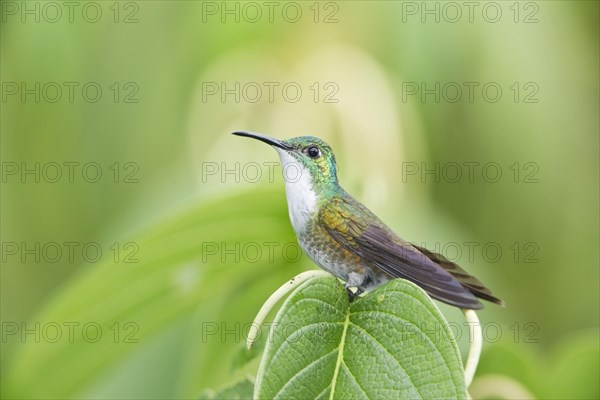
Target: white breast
(301, 198)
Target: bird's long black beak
(263, 138)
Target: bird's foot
(355, 281)
(353, 295)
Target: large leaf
(393, 343)
(236, 391)
(175, 286)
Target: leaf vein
(303, 371)
(340, 354)
(354, 379)
(394, 316)
(287, 342)
(377, 342)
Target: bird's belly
(331, 257)
(338, 261)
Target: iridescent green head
(303, 154)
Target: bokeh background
(185, 215)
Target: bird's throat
(299, 190)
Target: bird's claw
(353, 295)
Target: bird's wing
(356, 229)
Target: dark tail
(473, 284)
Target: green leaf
(392, 343)
(199, 300)
(236, 391)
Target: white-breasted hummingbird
(345, 238)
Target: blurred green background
(183, 212)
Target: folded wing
(356, 229)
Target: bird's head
(301, 156)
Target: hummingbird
(345, 238)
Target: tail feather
(468, 281)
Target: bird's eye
(313, 152)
